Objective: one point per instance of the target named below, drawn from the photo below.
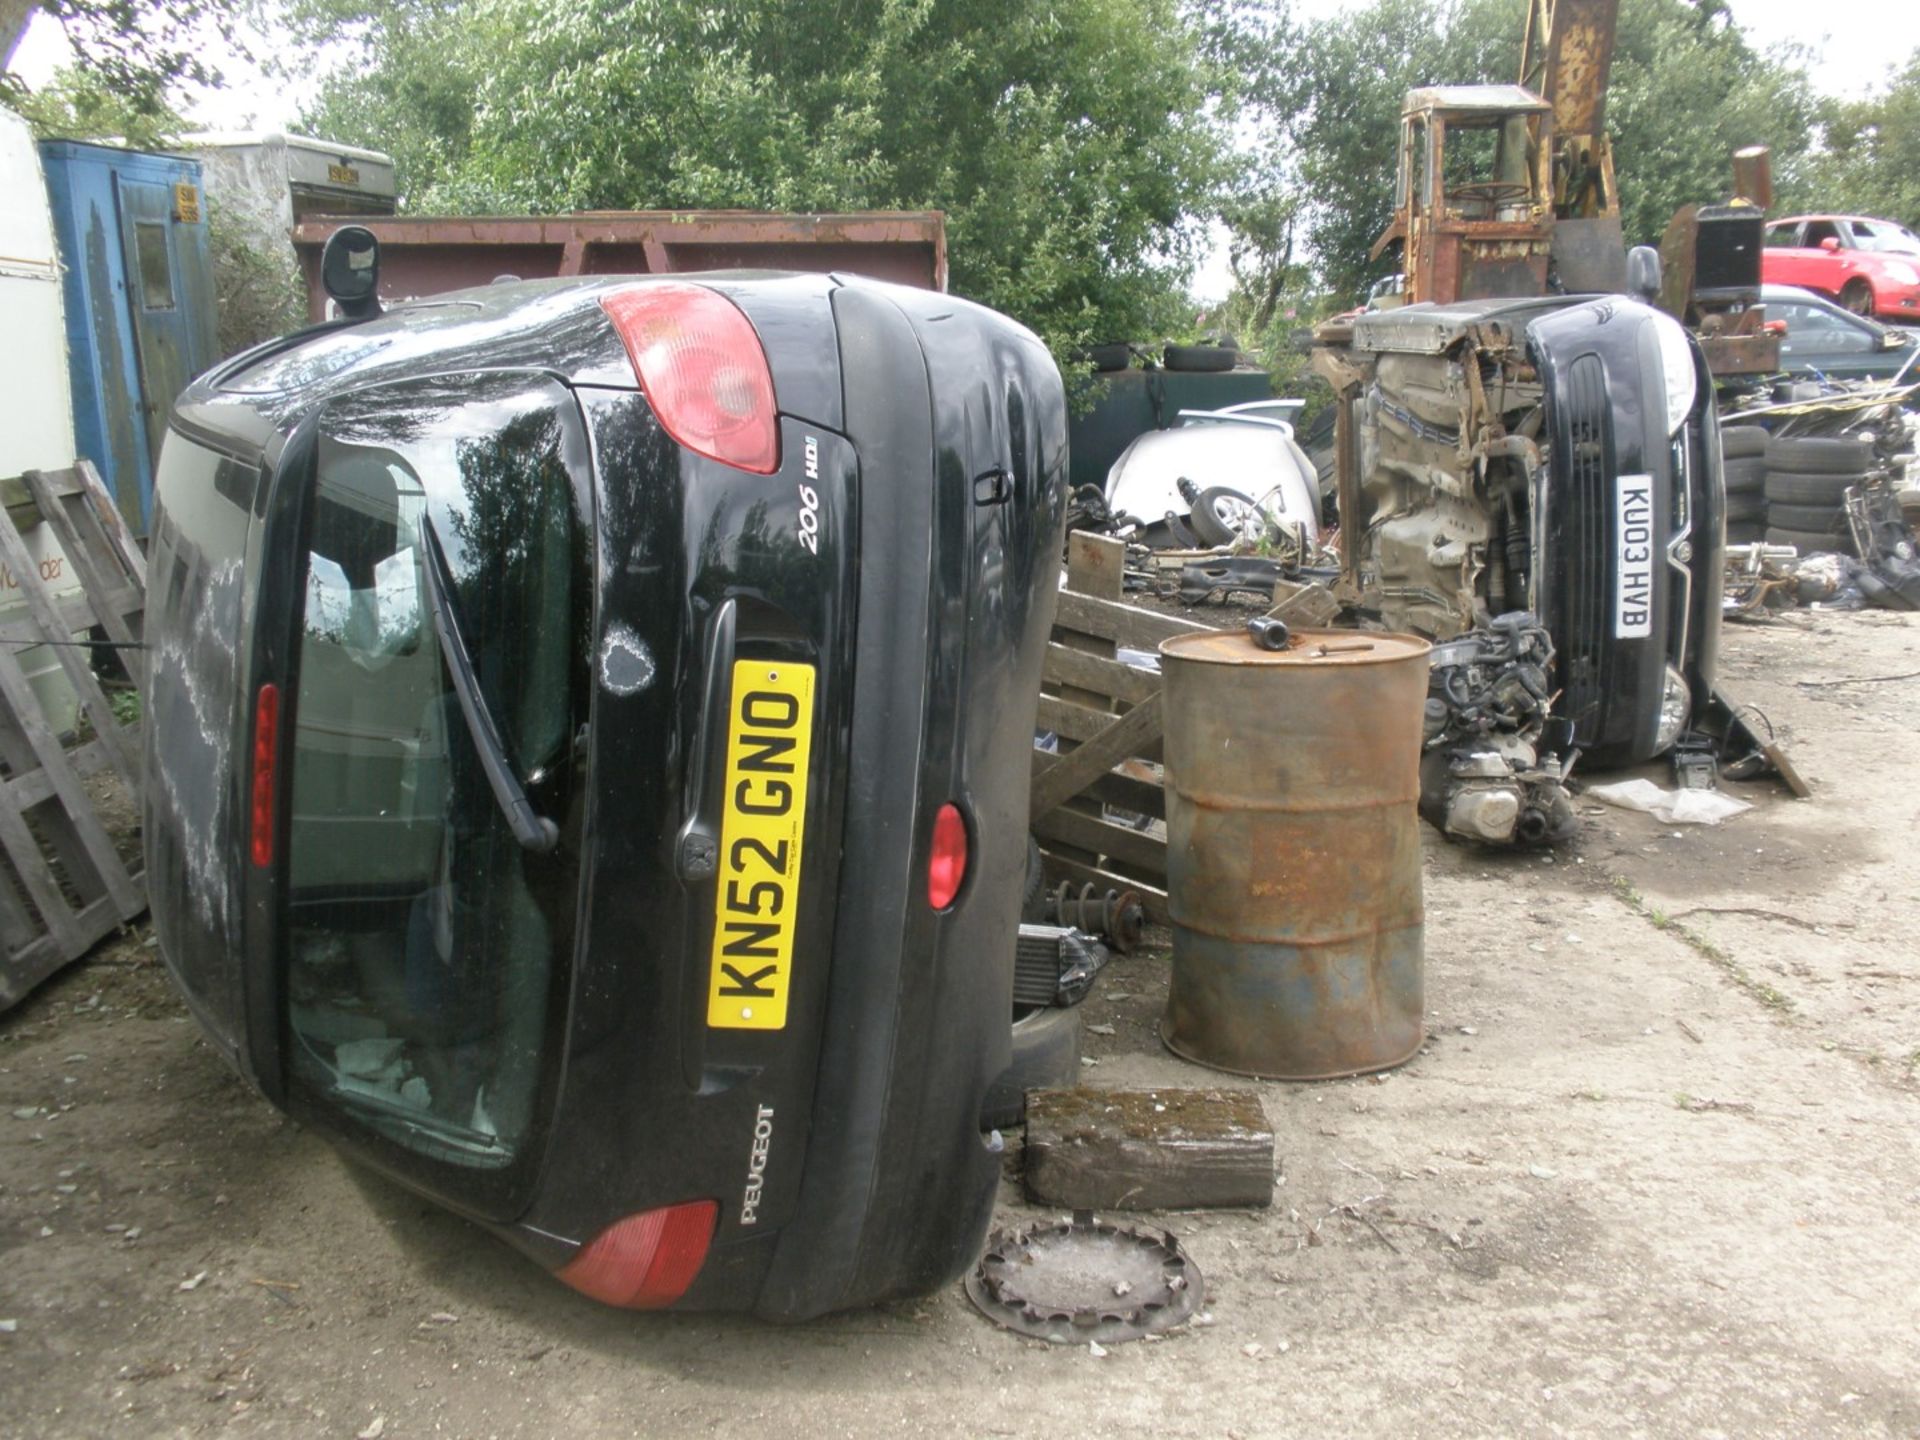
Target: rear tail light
(702, 369)
(266, 744)
(647, 1260)
(947, 866)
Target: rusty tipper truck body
(588, 754)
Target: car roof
(1793, 292)
(1831, 215)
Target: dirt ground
(1657, 1172)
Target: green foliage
(258, 281)
(134, 51)
(1870, 163)
(80, 104)
(1074, 147)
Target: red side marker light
(266, 745)
(702, 369)
(947, 866)
(645, 1261)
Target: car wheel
(1219, 515)
(1857, 296)
(1749, 505)
(1046, 1055)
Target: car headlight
(1676, 363)
(1902, 273)
(1676, 709)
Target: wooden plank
(1072, 722)
(95, 844)
(23, 630)
(24, 791)
(1153, 899)
(1148, 1149)
(24, 969)
(13, 552)
(1127, 625)
(1112, 678)
(1072, 773)
(112, 525)
(1119, 789)
(1103, 837)
(107, 592)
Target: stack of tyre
(1743, 452)
(1806, 491)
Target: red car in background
(1870, 266)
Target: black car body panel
(925, 440)
(1603, 376)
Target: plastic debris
(1672, 807)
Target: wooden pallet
(63, 884)
(1107, 717)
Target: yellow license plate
(769, 741)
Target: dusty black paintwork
(926, 614)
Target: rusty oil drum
(1293, 851)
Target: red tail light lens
(703, 371)
(647, 1260)
(266, 744)
(947, 867)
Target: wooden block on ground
(1148, 1149)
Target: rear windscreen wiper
(532, 830)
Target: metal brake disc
(1083, 1279)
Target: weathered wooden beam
(1148, 1149)
(1103, 837)
(1127, 625)
(1101, 677)
(1072, 773)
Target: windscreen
(427, 941)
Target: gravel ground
(1656, 1172)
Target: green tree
(1870, 161)
(1075, 147)
(135, 50)
(79, 104)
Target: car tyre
(1108, 358)
(1215, 515)
(1748, 506)
(1788, 487)
(1046, 1056)
(1199, 357)
(1808, 519)
(1820, 455)
(1742, 442)
(1746, 475)
(1857, 296)
(1745, 532)
(1808, 544)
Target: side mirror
(350, 271)
(1830, 245)
(1643, 272)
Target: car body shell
(928, 436)
(1872, 266)
(1828, 341)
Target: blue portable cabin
(139, 298)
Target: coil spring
(1116, 915)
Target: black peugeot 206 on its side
(587, 761)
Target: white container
(36, 406)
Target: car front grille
(1586, 562)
